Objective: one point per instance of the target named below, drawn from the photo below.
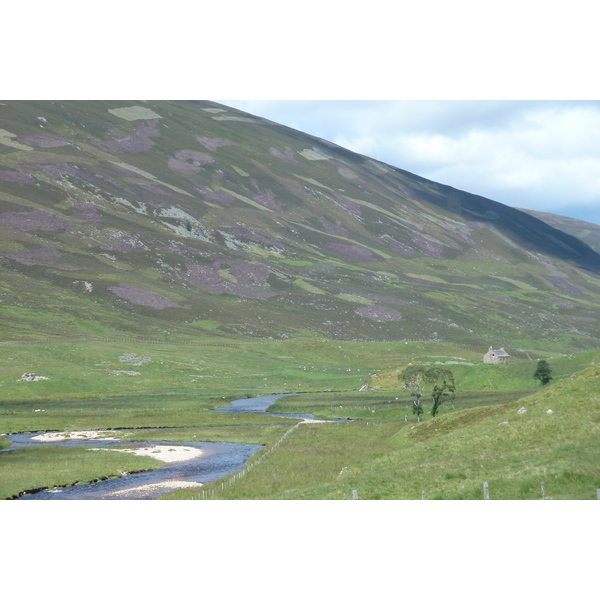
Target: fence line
(486, 492)
(210, 493)
(245, 342)
(119, 341)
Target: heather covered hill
(586, 232)
(191, 218)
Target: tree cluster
(418, 377)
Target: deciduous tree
(414, 379)
(417, 377)
(443, 387)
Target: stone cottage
(496, 357)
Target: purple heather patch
(267, 199)
(333, 228)
(429, 247)
(250, 273)
(42, 140)
(288, 155)
(148, 200)
(189, 161)
(60, 170)
(207, 278)
(85, 212)
(348, 204)
(139, 142)
(407, 191)
(381, 314)
(253, 237)
(562, 284)
(460, 231)
(220, 197)
(115, 183)
(16, 177)
(33, 220)
(420, 281)
(44, 255)
(214, 143)
(351, 251)
(125, 243)
(183, 249)
(161, 191)
(410, 225)
(400, 247)
(143, 297)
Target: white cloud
(542, 155)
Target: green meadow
(446, 458)
(375, 446)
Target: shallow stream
(218, 460)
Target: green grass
(380, 454)
(248, 434)
(448, 457)
(517, 375)
(34, 468)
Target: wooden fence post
(543, 491)
(486, 491)
(354, 494)
(422, 495)
(598, 494)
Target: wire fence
(123, 340)
(486, 493)
(227, 483)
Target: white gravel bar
(168, 454)
(62, 436)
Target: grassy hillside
(448, 457)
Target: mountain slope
(187, 218)
(588, 233)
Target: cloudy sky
(542, 155)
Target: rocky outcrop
(31, 377)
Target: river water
(218, 460)
(259, 405)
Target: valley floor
(366, 443)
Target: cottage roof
(501, 352)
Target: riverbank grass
(38, 468)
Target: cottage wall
(496, 357)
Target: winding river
(217, 460)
